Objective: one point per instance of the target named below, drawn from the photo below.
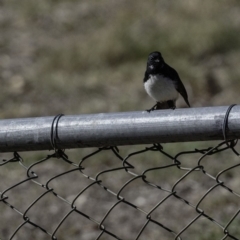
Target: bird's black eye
(154, 59)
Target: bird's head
(155, 61)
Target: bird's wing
(178, 83)
(146, 76)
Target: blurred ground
(76, 57)
(88, 56)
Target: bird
(162, 83)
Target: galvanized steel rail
(115, 129)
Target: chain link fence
(157, 191)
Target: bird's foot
(152, 108)
(163, 105)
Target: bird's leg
(171, 104)
(163, 105)
(158, 106)
(152, 108)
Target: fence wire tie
(16, 158)
(54, 136)
(231, 143)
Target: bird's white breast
(161, 89)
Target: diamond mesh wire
(148, 194)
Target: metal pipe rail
(115, 129)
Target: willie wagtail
(162, 82)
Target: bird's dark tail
(186, 100)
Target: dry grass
(77, 57)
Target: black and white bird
(162, 82)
